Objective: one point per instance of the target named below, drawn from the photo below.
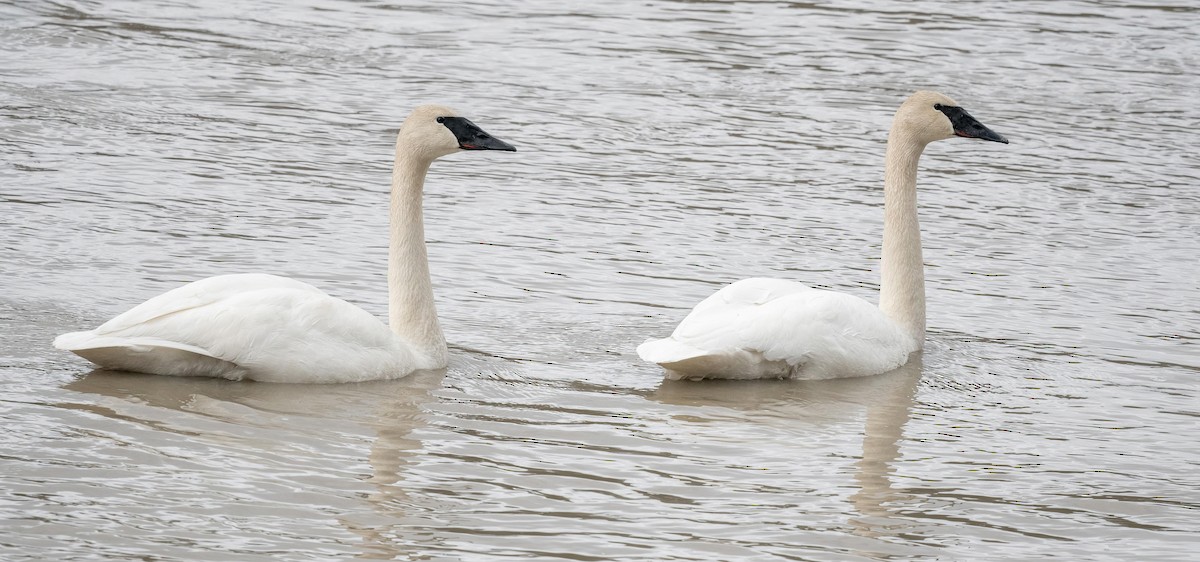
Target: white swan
(268, 328)
(773, 328)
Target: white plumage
(249, 326)
(771, 328)
(269, 328)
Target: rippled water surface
(666, 148)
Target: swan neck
(902, 283)
(412, 314)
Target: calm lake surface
(665, 149)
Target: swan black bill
(471, 137)
(969, 127)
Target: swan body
(772, 328)
(249, 326)
(275, 329)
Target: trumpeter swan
(268, 328)
(774, 328)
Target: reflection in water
(889, 409)
(393, 409)
(888, 399)
(278, 402)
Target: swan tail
(682, 361)
(667, 350)
(147, 355)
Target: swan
(774, 328)
(275, 329)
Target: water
(666, 148)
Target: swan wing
(771, 328)
(273, 329)
(146, 355)
(198, 294)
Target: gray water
(665, 149)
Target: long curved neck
(902, 287)
(411, 311)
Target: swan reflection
(289, 426)
(888, 399)
(888, 411)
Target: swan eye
(937, 106)
(441, 119)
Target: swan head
(433, 131)
(930, 116)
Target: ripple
(665, 149)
